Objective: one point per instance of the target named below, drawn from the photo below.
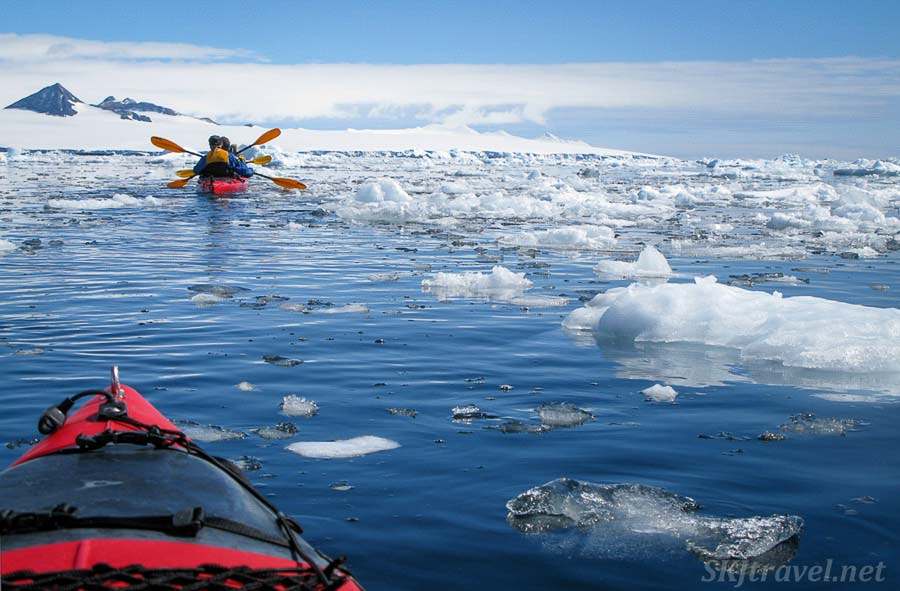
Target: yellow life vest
(216, 155)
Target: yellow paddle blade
(178, 184)
(288, 183)
(261, 160)
(165, 144)
(185, 174)
(267, 137)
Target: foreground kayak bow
(115, 496)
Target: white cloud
(192, 81)
(31, 48)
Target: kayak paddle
(180, 183)
(282, 182)
(266, 137)
(170, 146)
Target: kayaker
(220, 162)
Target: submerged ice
(621, 511)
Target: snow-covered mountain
(118, 125)
(51, 100)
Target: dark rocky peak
(128, 104)
(52, 100)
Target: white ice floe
(800, 332)
(382, 190)
(566, 238)
(343, 448)
(6, 245)
(246, 387)
(118, 200)
(660, 393)
(500, 284)
(650, 263)
(298, 406)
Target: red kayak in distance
(117, 497)
(223, 185)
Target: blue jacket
(234, 164)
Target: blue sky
(652, 36)
(494, 31)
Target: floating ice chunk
(343, 448)
(207, 299)
(6, 245)
(622, 510)
(380, 191)
(208, 433)
(570, 238)
(564, 414)
(281, 361)
(538, 301)
(805, 332)
(500, 284)
(836, 397)
(247, 463)
(246, 387)
(650, 263)
(298, 406)
(347, 309)
(660, 393)
(741, 539)
(118, 200)
(564, 503)
(808, 423)
(468, 413)
(279, 431)
(30, 352)
(294, 307)
(520, 427)
(223, 291)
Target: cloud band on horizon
(212, 82)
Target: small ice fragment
(506, 387)
(298, 406)
(279, 431)
(770, 436)
(407, 412)
(29, 352)
(224, 291)
(660, 393)
(520, 427)
(564, 414)
(247, 463)
(208, 433)
(343, 448)
(348, 309)
(281, 361)
(246, 387)
(468, 413)
(341, 486)
(207, 299)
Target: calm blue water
(110, 287)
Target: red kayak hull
(223, 186)
(60, 555)
(80, 423)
